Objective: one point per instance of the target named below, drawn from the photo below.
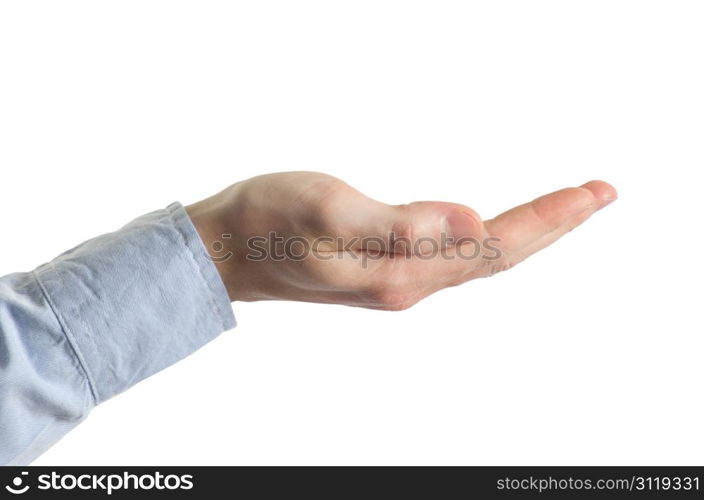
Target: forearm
(97, 320)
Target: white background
(588, 353)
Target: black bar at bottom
(352, 482)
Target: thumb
(417, 228)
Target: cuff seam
(171, 210)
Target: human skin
(374, 274)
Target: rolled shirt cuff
(137, 300)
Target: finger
(528, 228)
(516, 234)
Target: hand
(310, 237)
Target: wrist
(213, 232)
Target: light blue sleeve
(97, 320)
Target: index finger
(528, 228)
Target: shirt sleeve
(98, 319)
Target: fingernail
(460, 225)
